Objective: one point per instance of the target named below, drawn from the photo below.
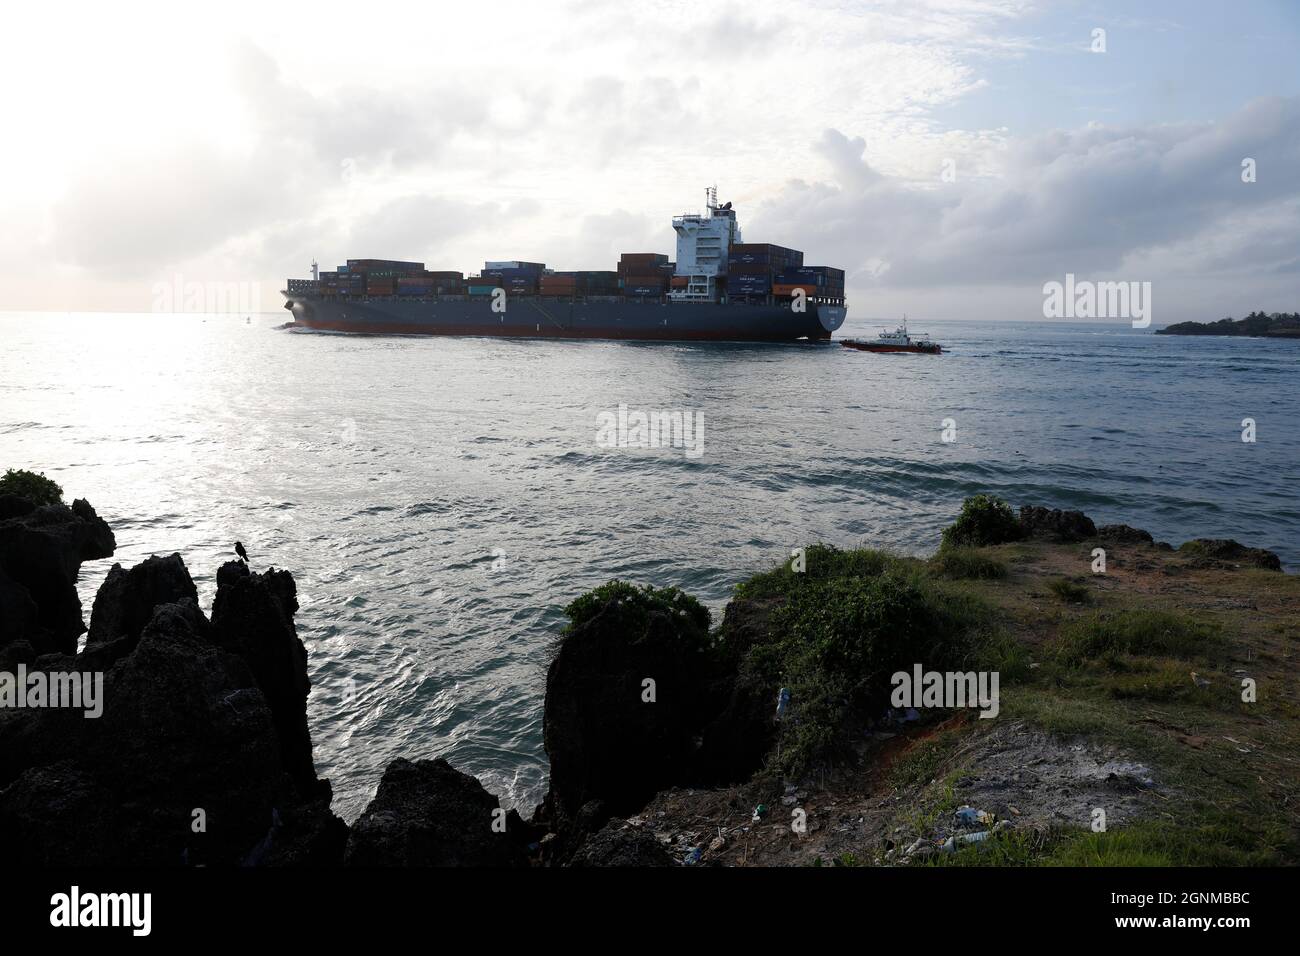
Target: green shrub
(966, 564)
(1069, 591)
(1107, 636)
(835, 643)
(638, 602)
(821, 562)
(984, 520)
(30, 485)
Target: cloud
(575, 135)
(1094, 200)
(139, 209)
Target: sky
(952, 156)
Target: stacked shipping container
(579, 283)
(820, 282)
(754, 270)
(644, 274)
(751, 267)
(516, 277)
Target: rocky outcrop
(1056, 524)
(199, 754)
(737, 738)
(640, 699)
(1124, 534)
(609, 735)
(184, 734)
(252, 616)
(618, 844)
(41, 551)
(126, 600)
(1224, 552)
(427, 813)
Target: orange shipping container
(784, 289)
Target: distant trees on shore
(1256, 323)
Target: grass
(1120, 677)
(1215, 840)
(966, 564)
(1138, 844)
(1071, 592)
(924, 761)
(1107, 636)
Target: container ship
(718, 288)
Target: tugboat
(897, 341)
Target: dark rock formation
(604, 740)
(611, 750)
(18, 612)
(41, 551)
(126, 600)
(187, 764)
(1056, 524)
(302, 834)
(618, 844)
(1124, 534)
(427, 813)
(1224, 552)
(183, 729)
(11, 506)
(737, 738)
(252, 616)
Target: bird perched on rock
(239, 550)
(1198, 680)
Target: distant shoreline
(1257, 325)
